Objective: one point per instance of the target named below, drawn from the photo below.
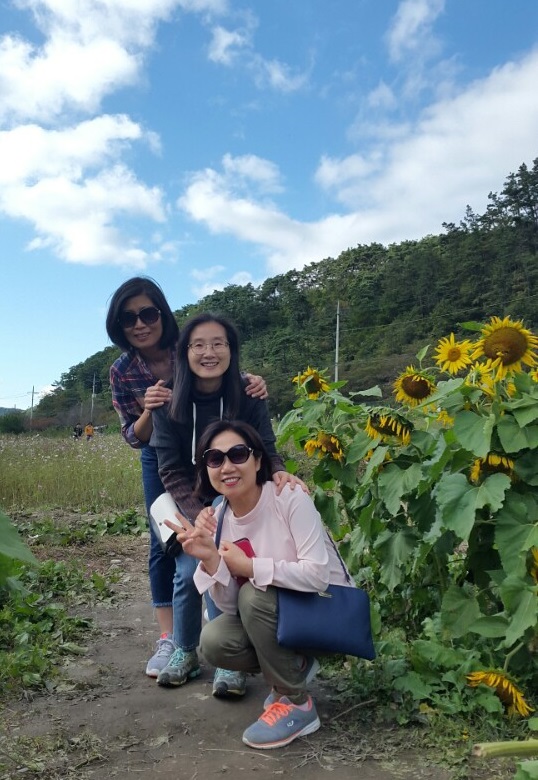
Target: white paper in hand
(163, 508)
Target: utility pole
(337, 341)
(32, 407)
(93, 396)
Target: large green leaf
(395, 483)
(459, 610)
(527, 770)
(358, 448)
(329, 509)
(513, 437)
(473, 431)
(521, 600)
(459, 500)
(525, 409)
(394, 550)
(526, 467)
(516, 531)
(11, 544)
(490, 626)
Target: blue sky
(209, 142)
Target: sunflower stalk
(514, 748)
(511, 654)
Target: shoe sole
(228, 693)
(309, 729)
(153, 673)
(168, 681)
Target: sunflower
(444, 419)
(507, 344)
(324, 444)
(313, 381)
(453, 355)
(412, 387)
(534, 375)
(493, 463)
(481, 376)
(383, 426)
(506, 690)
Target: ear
(258, 462)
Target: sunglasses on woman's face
(148, 315)
(239, 453)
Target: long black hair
(252, 439)
(140, 285)
(184, 379)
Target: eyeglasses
(239, 453)
(199, 347)
(148, 315)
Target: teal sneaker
(227, 683)
(182, 666)
(281, 723)
(311, 668)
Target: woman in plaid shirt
(141, 322)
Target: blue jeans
(161, 566)
(188, 604)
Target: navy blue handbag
(336, 620)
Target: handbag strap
(223, 505)
(346, 573)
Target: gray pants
(246, 642)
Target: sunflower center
(454, 354)
(508, 344)
(416, 387)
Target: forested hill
(393, 300)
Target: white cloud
(253, 169)
(465, 144)
(68, 184)
(236, 48)
(226, 45)
(411, 28)
(277, 75)
(75, 219)
(29, 152)
(90, 50)
(213, 278)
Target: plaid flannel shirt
(130, 377)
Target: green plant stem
(511, 654)
(495, 749)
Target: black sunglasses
(148, 315)
(239, 453)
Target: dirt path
(108, 720)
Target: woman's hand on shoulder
(256, 387)
(281, 478)
(157, 395)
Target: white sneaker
(164, 648)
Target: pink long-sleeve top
(291, 546)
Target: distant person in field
(77, 431)
(140, 321)
(89, 430)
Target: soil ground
(108, 720)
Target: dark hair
(232, 382)
(250, 436)
(140, 285)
